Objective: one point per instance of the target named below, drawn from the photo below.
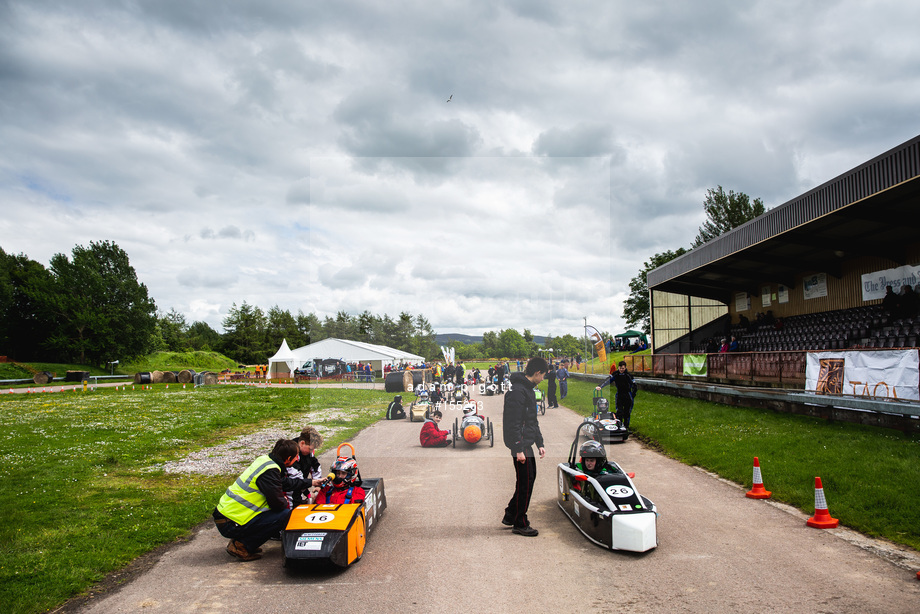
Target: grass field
(80, 498)
(84, 493)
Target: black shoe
(508, 520)
(525, 531)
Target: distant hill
(444, 338)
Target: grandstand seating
(859, 327)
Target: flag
(599, 344)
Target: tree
(101, 311)
(202, 337)
(568, 345)
(25, 323)
(173, 331)
(636, 305)
(244, 336)
(726, 211)
(281, 325)
(512, 345)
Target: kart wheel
(491, 436)
(455, 432)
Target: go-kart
(603, 425)
(472, 428)
(606, 507)
(333, 532)
(541, 400)
(420, 407)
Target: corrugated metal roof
(870, 210)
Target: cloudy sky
(303, 154)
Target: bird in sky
(451, 96)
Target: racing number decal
(620, 492)
(319, 517)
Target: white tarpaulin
(883, 374)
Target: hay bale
(209, 379)
(186, 376)
(76, 376)
(169, 377)
(142, 377)
(43, 377)
(407, 380)
(156, 377)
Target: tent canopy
(633, 333)
(283, 360)
(342, 349)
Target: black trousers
(551, 395)
(525, 474)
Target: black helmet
(603, 405)
(592, 449)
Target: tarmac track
(440, 546)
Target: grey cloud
(205, 278)
(227, 232)
(343, 278)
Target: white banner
(884, 374)
(873, 284)
(815, 286)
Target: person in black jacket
(551, 399)
(623, 381)
(521, 432)
(395, 410)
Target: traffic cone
(822, 518)
(758, 491)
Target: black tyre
(455, 432)
(491, 436)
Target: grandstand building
(818, 264)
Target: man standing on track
(521, 433)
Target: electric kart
(335, 533)
(541, 400)
(472, 428)
(606, 507)
(420, 407)
(603, 426)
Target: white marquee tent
(286, 360)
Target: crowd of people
(257, 506)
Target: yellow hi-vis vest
(243, 500)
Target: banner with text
(885, 374)
(873, 284)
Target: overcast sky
(303, 154)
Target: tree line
(89, 308)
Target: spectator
(562, 377)
(521, 432)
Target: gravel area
(231, 457)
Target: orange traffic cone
(822, 518)
(758, 491)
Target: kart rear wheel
(491, 436)
(455, 432)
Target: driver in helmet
(345, 486)
(602, 407)
(593, 459)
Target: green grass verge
(79, 497)
(870, 475)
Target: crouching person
(431, 436)
(255, 508)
